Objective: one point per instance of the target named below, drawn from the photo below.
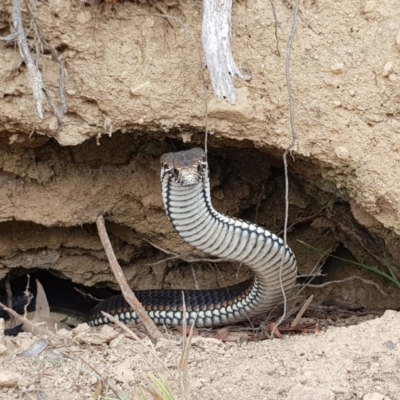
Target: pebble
(369, 6)
(8, 379)
(375, 396)
(337, 68)
(342, 152)
(387, 69)
(141, 89)
(398, 38)
(105, 335)
(300, 392)
(118, 341)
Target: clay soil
(135, 88)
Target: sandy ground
(355, 362)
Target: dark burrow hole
(246, 182)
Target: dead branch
(9, 292)
(302, 311)
(129, 296)
(28, 294)
(195, 280)
(9, 297)
(35, 76)
(366, 281)
(216, 38)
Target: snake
(186, 196)
(187, 201)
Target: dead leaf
(221, 334)
(274, 330)
(99, 390)
(35, 349)
(42, 313)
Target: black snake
(187, 201)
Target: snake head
(186, 167)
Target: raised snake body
(187, 201)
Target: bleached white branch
(216, 38)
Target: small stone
(186, 137)
(375, 396)
(117, 342)
(342, 152)
(84, 17)
(82, 328)
(105, 335)
(337, 103)
(300, 392)
(387, 69)
(8, 379)
(369, 6)
(337, 68)
(141, 90)
(398, 38)
(390, 345)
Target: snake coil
(187, 201)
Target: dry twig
(350, 278)
(289, 149)
(35, 76)
(129, 296)
(302, 311)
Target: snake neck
(193, 216)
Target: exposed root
(35, 76)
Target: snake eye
(176, 173)
(166, 168)
(201, 166)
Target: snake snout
(189, 179)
